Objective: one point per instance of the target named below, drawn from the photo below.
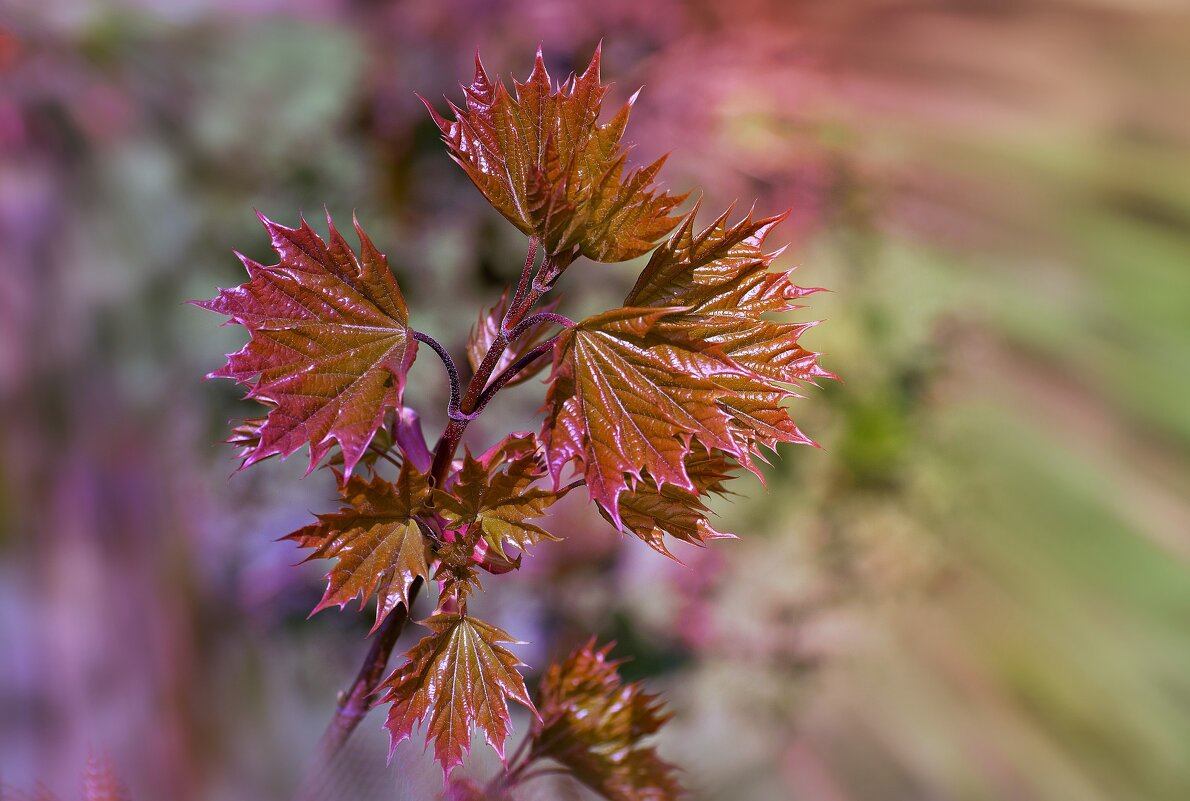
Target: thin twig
(526, 276)
(383, 454)
(540, 317)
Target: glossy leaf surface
(377, 540)
(499, 499)
(541, 157)
(627, 396)
(458, 677)
(330, 343)
(593, 723)
(692, 364)
(721, 276)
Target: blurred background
(978, 589)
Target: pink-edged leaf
(458, 677)
(541, 158)
(330, 343)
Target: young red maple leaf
(593, 723)
(542, 159)
(691, 364)
(330, 343)
(457, 677)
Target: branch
(511, 371)
(478, 392)
(353, 702)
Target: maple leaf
(330, 343)
(377, 539)
(542, 159)
(497, 498)
(488, 328)
(593, 724)
(650, 511)
(690, 359)
(457, 677)
(627, 396)
(721, 278)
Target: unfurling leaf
(377, 539)
(690, 365)
(488, 328)
(542, 159)
(497, 497)
(330, 343)
(593, 723)
(458, 677)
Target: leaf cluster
(653, 407)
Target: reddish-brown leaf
(498, 499)
(722, 279)
(593, 724)
(330, 343)
(650, 512)
(691, 364)
(488, 328)
(541, 158)
(458, 677)
(377, 540)
(626, 398)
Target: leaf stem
(540, 317)
(511, 371)
(452, 371)
(526, 276)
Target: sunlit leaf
(377, 539)
(456, 678)
(721, 277)
(330, 343)
(692, 364)
(627, 396)
(541, 158)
